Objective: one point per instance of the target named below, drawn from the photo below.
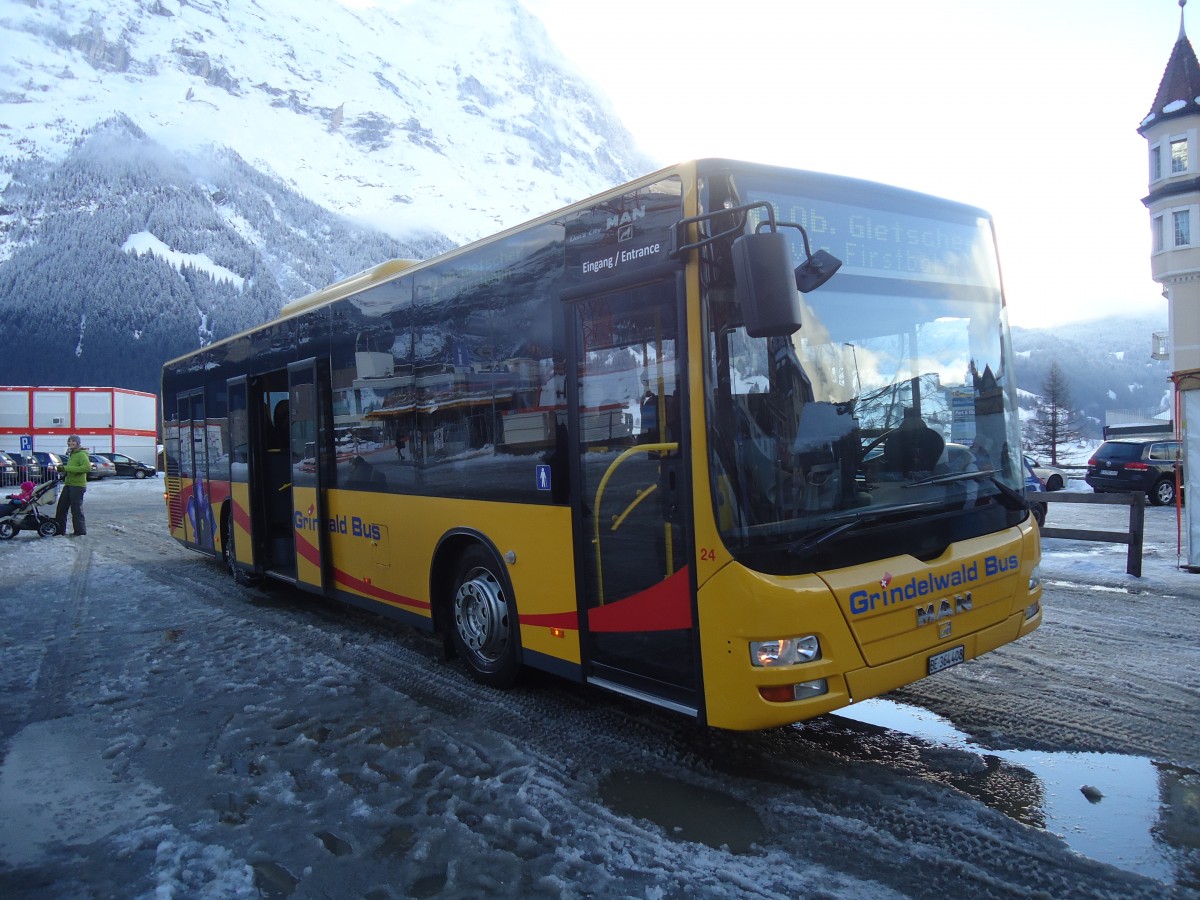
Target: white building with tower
(1172, 131)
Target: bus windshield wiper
(1011, 498)
(841, 527)
(813, 541)
(1015, 499)
(948, 477)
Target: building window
(1183, 228)
(1179, 156)
(1156, 233)
(1155, 163)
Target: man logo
(943, 609)
(626, 217)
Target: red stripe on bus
(567, 620)
(241, 516)
(378, 593)
(310, 553)
(308, 550)
(665, 607)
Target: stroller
(30, 511)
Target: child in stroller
(23, 513)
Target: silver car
(101, 467)
(28, 468)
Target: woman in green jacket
(74, 485)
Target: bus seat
(913, 447)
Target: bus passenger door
(269, 462)
(238, 528)
(195, 513)
(633, 574)
(309, 444)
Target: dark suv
(1136, 465)
(127, 465)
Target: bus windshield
(891, 407)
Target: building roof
(1179, 91)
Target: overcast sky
(1027, 108)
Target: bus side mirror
(767, 287)
(816, 270)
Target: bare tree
(1057, 423)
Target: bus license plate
(946, 659)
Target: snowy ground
(166, 733)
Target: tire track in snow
(61, 665)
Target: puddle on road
(686, 812)
(1127, 811)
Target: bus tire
(483, 619)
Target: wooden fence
(1136, 502)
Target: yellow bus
(736, 440)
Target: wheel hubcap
(481, 615)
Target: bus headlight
(1035, 579)
(785, 651)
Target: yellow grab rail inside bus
(668, 447)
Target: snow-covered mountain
(173, 170)
(416, 115)
(1106, 364)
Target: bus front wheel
(484, 620)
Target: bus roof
(349, 285)
(690, 170)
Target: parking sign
(27, 443)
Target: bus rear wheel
(484, 620)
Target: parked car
(101, 467)
(1033, 486)
(1053, 478)
(1133, 464)
(52, 463)
(127, 465)
(28, 468)
(8, 471)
